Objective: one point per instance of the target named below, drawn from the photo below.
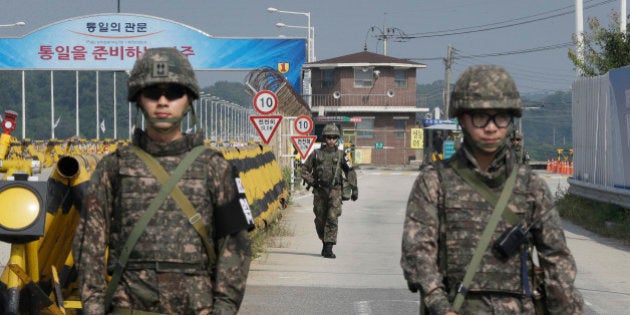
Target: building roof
(364, 59)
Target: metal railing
(366, 99)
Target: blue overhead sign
(429, 122)
(114, 41)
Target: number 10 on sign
(265, 102)
(303, 125)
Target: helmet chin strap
(490, 146)
(483, 146)
(175, 121)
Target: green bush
(602, 218)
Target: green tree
(604, 48)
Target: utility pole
(579, 31)
(447, 79)
(622, 17)
(386, 33)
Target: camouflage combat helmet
(485, 87)
(330, 130)
(161, 65)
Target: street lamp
(13, 24)
(309, 38)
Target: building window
(328, 78)
(400, 124)
(365, 128)
(363, 77)
(400, 78)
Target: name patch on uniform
(347, 160)
(239, 185)
(247, 211)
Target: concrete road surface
(366, 278)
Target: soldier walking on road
(519, 148)
(168, 211)
(473, 220)
(323, 170)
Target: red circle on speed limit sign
(265, 102)
(303, 125)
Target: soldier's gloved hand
(355, 195)
(413, 287)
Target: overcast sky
(475, 29)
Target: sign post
(303, 143)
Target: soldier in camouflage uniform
(323, 170)
(168, 271)
(519, 148)
(446, 215)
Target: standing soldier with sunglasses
(163, 216)
(323, 170)
(477, 223)
(519, 148)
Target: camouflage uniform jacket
(122, 187)
(319, 169)
(466, 215)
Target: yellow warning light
(22, 210)
(20, 207)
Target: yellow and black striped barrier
(265, 187)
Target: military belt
(478, 294)
(162, 266)
(129, 311)
(326, 185)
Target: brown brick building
(373, 98)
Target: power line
(510, 23)
(520, 51)
(505, 53)
(500, 25)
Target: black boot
(328, 253)
(323, 247)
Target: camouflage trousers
(164, 292)
(327, 209)
(497, 304)
(480, 304)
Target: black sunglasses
(500, 119)
(331, 137)
(171, 92)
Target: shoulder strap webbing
(178, 196)
(468, 175)
(442, 250)
(484, 241)
(142, 223)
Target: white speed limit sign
(265, 102)
(303, 125)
